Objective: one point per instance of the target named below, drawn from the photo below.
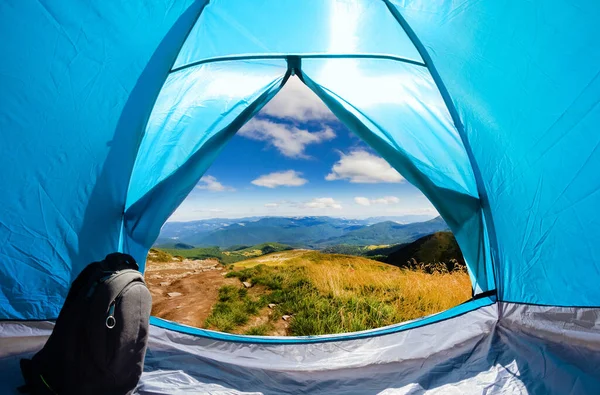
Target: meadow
(317, 293)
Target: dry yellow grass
(411, 293)
(374, 247)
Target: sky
(294, 158)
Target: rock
(247, 284)
(272, 305)
(286, 317)
(223, 274)
(173, 294)
(219, 268)
(165, 284)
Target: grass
(259, 330)
(332, 293)
(157, 255)
(233, 309)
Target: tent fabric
(525, 81)
(472, 354)
(502, 141)
(233, 28)
(111, 113)
(77, 83)
(216, 98)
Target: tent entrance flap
(394, 107)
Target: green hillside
(437, 247)
(377, 252)
(238, 253)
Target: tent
(111, 112)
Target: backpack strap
(120, 260)
(35, 384)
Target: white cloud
(288, 139)
(210, 183)
(271, 205)
(289, 178)
(386, 200)
(363, 201)
(296, 101)
(323, 203)
(362, 167)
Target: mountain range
(299, 232)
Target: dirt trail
(185, 291)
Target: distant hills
(299, 232)
(431, 249)
(388, 232)
(228, 256)
(435, 248)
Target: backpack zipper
(110, 319)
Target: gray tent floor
(502, 348)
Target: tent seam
(304, 56)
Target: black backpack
(99, 341)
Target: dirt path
(185, 291)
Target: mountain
(401, 219)
(436, 247)
(388, 232)
(308, 232)
(293, 231)
(181, 231)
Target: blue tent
(110, 112)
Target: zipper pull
(110, 320)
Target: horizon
(430, 217)
(295, 158)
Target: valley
(298, 232)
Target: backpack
(99, 341)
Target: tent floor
(529, 350)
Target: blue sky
(294, 159)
